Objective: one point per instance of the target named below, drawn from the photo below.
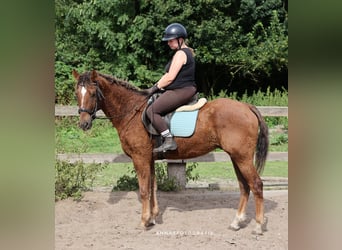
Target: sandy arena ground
(190, 219)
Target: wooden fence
(265, 111)
(176, 168)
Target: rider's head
(175, 31)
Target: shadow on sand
(192, 200)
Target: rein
(99, 97)
(136, 108)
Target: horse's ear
(93, 75)
(75, 74)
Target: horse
(235, 127)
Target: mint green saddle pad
(183, 123)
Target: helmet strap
(179, 44)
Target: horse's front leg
(154, 202)
(144, 179)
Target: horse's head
(88, 95)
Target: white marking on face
(83, 92)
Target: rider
(177, 84)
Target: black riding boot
(169, 144)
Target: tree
(239, 44)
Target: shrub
(71, 179)
(130, 183)
(163, 181)
(279, 139)
(259, 98)
(127, 183)
(188, 172)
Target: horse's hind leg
(249, 179)
(240, 216)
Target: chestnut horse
(235, 127)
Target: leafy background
(239, 44)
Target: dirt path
(191, 219)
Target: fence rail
(61, 110)
(122, 158)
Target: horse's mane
(123, 83)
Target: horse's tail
(262, 143)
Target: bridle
(99, 97)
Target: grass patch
(103, 138)
(207, 171)
(112, 173)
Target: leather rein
(99, 97)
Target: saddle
(181, 122)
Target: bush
(279, 139)
(236, 42)
(127, 183)
(163, 181)
(259, 98)
(73, 178)
(130, 183)
(268, 98)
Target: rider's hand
(152, 90)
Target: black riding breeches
(169, 101)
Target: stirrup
(168, 145)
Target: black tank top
(186, 75)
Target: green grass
(110, 175)
(221, 170)
(208, 172)
(103, 138)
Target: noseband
(99, 97)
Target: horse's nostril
(84, 125)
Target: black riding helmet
(174, 30)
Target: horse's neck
(119, 103)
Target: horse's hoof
(234, 227)
(141, 226)
(238, 222)
(147, 226)
(260, 228)
(257, 230)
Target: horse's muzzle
(85, 124)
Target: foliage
(279, 139)
(73, 178)
(269, 98)
(259, 98)
(127, 183)
(130, 183)
(164, 182)
(71, 139)
(189, 172)
(239, 44)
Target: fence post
(176, 170)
